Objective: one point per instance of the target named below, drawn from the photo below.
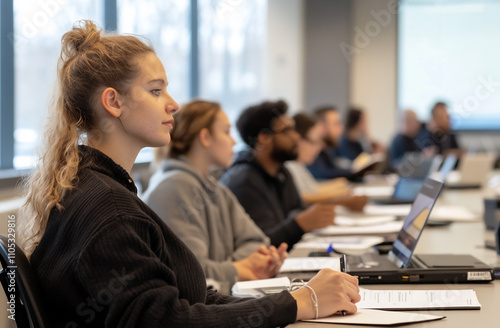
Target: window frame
(10, 176)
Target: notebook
(402, 266)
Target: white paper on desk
(300, 264)
(453, 213)
(373, 191)
(378, 318)
(418, 299)
(362, 221)
(385, 228)
(342, 243)
(256, 288)
(440, 212)
(396, 210)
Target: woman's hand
(336, 291)
(263, 263)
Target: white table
(464, 238)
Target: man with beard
(326, 165)
(262, 184)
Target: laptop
(448, 165)
(418, 166)
(473, 171)
(402, 266)
(405, 191)
(407, 188)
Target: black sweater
(107, 260)
(273, 202)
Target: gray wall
(374, 65)
(285, 52)
(327, 72)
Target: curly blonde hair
(89, 62)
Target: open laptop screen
(448, 165)
(407, 188)
(416, 165)
(414, 223)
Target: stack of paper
(343, 244)
(259, 288)
(384, 228)
(439, 212)
(346, 221)
(301, 264)
(396, 210)
(378, 318)
(453, 213)
(418, 299)
(374, 191)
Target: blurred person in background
(437, 132)
(404, 142)
(337, 190)
(327, 165)
(356, 139)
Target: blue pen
(330, 250)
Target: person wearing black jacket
(263, 186)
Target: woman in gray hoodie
(201, 211)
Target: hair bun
(84, 35)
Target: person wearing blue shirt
(326, 164)
(437, 132)
(404, 142)
(355, 139)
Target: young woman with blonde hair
(103, 258)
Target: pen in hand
(342, 269)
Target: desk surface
(464, 238)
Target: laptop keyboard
(373, 260)
(367, 259)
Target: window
(215, 50)
(232, 37)
(447, 53)
(167, 25)
(38, 27)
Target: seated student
(263, 185)
(326, 166)
(101, 256)
(437, 132)
(355, 139)
(202, 212)
(404, 142)
(310, 143)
